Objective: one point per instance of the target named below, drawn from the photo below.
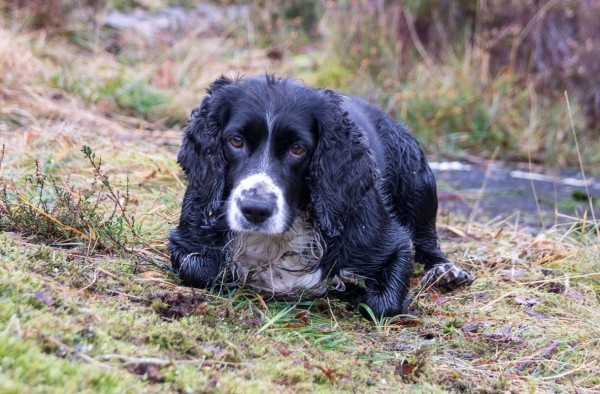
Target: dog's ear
(342, 169)
(201, 154)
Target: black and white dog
(294, 190)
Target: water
(537, 198)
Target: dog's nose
(257, 211)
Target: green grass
(112, 320)
(132, 96)
(453, 95)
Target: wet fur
(366, 189)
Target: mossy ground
(73, 323)
(86, 317)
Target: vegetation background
(93, 95)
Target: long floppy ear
(342, 169)
(201, 155)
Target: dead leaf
(294, 325)
(555, 287)
(151, 371)
(284, 352)
(439, 299)
(303, 317)
(575, 295)
(44, 298)
(482, 296)
(544, 352)
(533, 313)
(407, 370)
(473, 327)
(513, 273)
(503, 335)
(524, 300)
(212, 349)
(331, 373)
(548, 350)
(175, 305)
(150, 176)
(550, 258)
(408, 321)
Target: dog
(295, 191)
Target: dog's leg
(439, 271)
(196, 265)
(415, 204)
(377, 254)
(447, 276)
(387, 293)
(386, 288)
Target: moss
(331, 76)
(25, 367)
(58, 306)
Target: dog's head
(258, 150)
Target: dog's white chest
(281, 265)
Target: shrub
(53, 211)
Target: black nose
(257, 211)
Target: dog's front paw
(447, 276)
(198, 271)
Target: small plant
(379, 322)
(56, 212)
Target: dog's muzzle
(256, 204)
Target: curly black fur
(365, 183)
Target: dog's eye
(297, 150)
(237, 142)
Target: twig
(587, 190)
(418, 44)
(567, 373)
(160, 361)
(92, 282)
(552, 257)
(526, 30)
(14, 326)
(125, 294)
(331, 312)
(489, 305)
(452, 229)
(2, 152)
(481, 190)
(534, 282)
(77, 353)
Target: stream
(534, 198)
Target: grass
(521, 326)
(448, 94)
(86, 305)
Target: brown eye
(297, 150)
(237, 142)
